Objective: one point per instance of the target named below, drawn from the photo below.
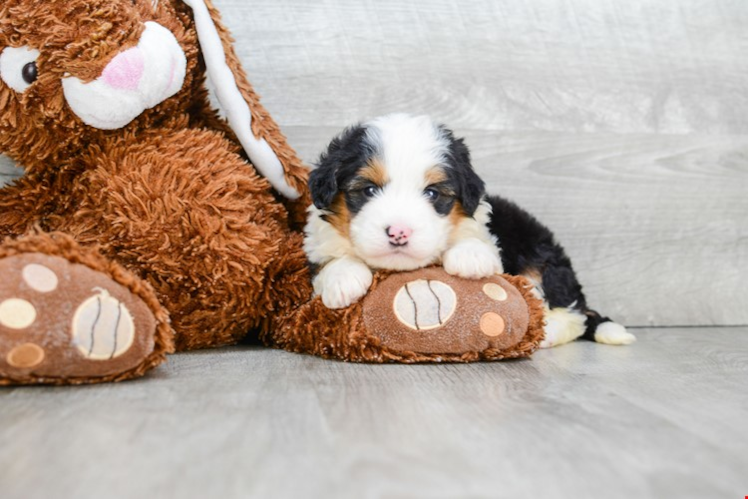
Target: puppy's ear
(322, 184)
(343, 156)
(470, 187)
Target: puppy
(399, 192)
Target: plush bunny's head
(72, 71)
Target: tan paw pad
(25, 356)
(429, 311)
(424, 304)
(66, 321)
(17, 313)
(40, 278)
(103, 328)
(495, 291)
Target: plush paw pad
(431, 312)
(62, 321)
(472, 259)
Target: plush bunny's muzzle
(136, 79)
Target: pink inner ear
(125, 70)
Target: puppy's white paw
(613, 334)
(342, 282)
(562, 325)
(473, 259)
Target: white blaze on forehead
(409, 146)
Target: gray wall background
(621, 125)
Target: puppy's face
(396, 188)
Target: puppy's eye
(431, 193)
(370, 191)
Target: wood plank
(670, 66)
(660, 418)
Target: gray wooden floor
(664, 417)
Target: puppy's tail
(604, 330)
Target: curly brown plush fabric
(171, 196)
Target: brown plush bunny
(145, 223)
(139, 225)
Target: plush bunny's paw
(62, 322)
(430, 312)
(342, 282)
(472, 259)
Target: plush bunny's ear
(257, 132)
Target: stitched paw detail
(60, 320)
(431, 312)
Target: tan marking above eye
(375, 172)
(435, 175)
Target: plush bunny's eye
(18, 67)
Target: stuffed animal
(421, 316)
(139, 225)
(145, 222)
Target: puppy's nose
(398, 235)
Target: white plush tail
(237, 109)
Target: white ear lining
(237, 109)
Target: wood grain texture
(666, 66)
(664, 417)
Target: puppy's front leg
(472, 258)
(342, 282)
(473, 253)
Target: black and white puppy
(399, 192)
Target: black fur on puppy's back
(529, 247)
